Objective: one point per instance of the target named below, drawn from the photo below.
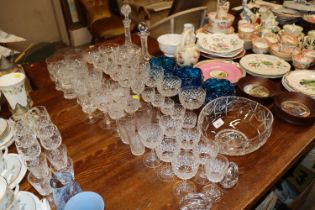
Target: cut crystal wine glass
(185, 166)
(166, 151)
(151, 135)
(192, 97)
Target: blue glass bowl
(190, 76)
(167, 63)
(217, 87)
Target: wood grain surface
(105, 165)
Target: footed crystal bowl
(238, 124)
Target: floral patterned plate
(220, 43)
(221, 70)
(267, 66)
(301, 81)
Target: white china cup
(7, 196)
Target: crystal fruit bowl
(238, 124)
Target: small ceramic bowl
(168, 43)
(260, 45)
(301, 61)
(294, 108)
(258, 89)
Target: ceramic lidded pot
(187, 53)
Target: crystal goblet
(169, 86)
(170, 125)
(166, 151)
(151, 135)
(188, 137)
(185, 166)
(206, 150)
(192, 97)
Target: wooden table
(105, 165)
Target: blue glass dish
(190, 76)
(216, 88)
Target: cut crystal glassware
(166, 151)
(151, 135)
(238, 124)
(185, 166)
(192, 97)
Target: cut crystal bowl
(239, 125)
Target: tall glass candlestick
(143, 34)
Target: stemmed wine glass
(206, 150)
(215, 169)
(191, 98)
(166, 151)
(185, 166)
(188, 137)
(151, 135)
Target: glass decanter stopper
(143, 34)
(126, 10)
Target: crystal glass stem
(151, 160)
(144, 45)
(126, 23)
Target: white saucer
(28, 201)
(17, 169)
(8, 139)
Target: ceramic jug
(187, 52)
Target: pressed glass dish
(239, 125)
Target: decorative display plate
(220, 43)
(267, 66)
(206, 55)
(221, 70)
(309, 18)
(286, 14)
(301, 81)
(306, 7)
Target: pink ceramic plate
(220, 70)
